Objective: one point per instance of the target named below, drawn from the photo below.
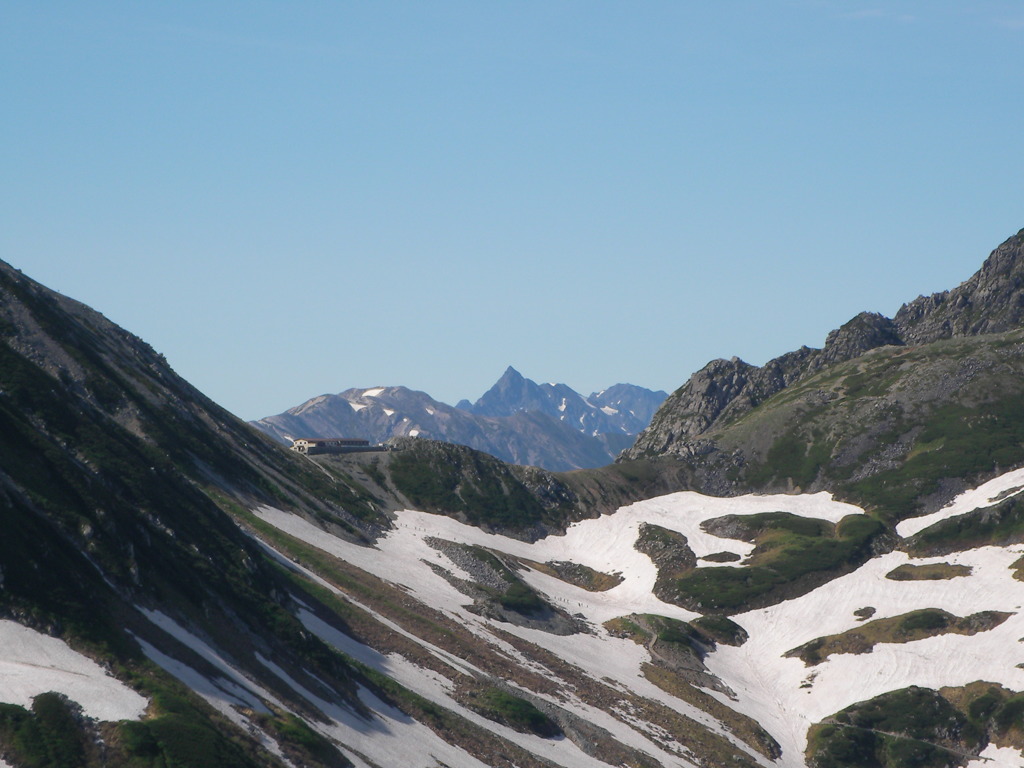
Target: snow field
(438, 688)
(997, 757)
(605, 544)
(780, 693)
(33, 663)
(403, 565)
(391, 738)
(223, 695)
(787, 697)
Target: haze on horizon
(288, 200)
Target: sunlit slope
(752, 688)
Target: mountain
(178, 590)
(518, 421)
(827, 575)
(725, 391)
(622, 409)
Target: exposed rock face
(865, 332)
(992, 301)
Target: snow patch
(356, 406)
(308, 405)
(373, 392)
(998, 757)
(32, 663)
(388, 412)
(409, 739)
(232, 682)
(388, 738)
(992, 492)
(400, 558)
(221, 694)
(414, 433)
(782, 694)
(607, 410)
(787, 697)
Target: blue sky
(288, 199)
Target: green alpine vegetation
(514, 711)
(919, 728)
(906, 628)
(791, 556)
(458, 481)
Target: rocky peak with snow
(517, 420)
(623, 409)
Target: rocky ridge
(991, 301)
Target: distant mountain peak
(517, 420)
(623, 409)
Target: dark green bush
(449, 479)
(1003, 523)
(50, 736)
(910, 728)
(516, 712)
(521, 599)
(186, 743)
(721, 629)
(926, 620)
(1011, 714)
(137, 740)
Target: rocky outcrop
(992, 301)
(865, 332)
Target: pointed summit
(510, 394)
(511, 375)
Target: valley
(816, 562)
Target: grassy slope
(111, 465)
(893, 430)
(919, 728)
